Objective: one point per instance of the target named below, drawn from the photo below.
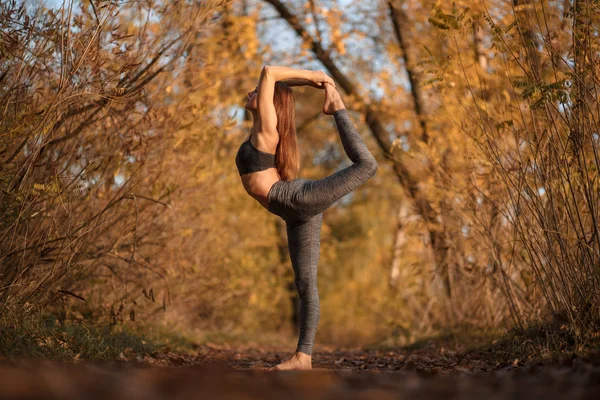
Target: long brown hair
(287, 153)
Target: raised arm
(266, 90)
(302, 82)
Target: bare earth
(237, 373)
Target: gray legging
(300, 203)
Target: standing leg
(315, 196)
(304, 242)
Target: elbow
(267, 70)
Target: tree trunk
(400, 240)
(398, 18)
(525, 15)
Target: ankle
(338, 105)
(303, 356)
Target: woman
(268, 163)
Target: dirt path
(237, 373)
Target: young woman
(268, 164)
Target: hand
(320, 78)
(315, 85)
(333, 100)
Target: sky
(48, 3)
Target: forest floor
(427, 371)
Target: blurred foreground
(224, 373)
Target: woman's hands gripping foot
(298, 361)
(333, 101)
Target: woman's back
(257, 169)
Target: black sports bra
(250, 159)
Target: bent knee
(370, 166)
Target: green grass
(31, 333)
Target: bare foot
(298, 361)
(333, 101)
